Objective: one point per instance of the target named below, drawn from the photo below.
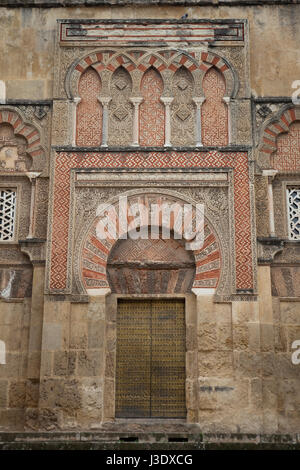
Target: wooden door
(150, 368)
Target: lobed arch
(209, 60)
(274, 127)
(141, 60)
(29, 132)
(93, 253)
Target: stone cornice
(118, 3)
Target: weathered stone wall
(59, 370)
(28, 41)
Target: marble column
(76, 101)
(167, 102)
(271, 174)
(198, 102)
(226, 100)
(32, 177)
(105, 102)
(136, 101)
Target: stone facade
(130, 103)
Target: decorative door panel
(150, 372)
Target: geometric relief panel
(183, 109)
(89, 110)
(287, 155)
(120, 109)
(65, 161)
(152, 110)
(214, 115)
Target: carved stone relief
(183, 109)
(120, 109)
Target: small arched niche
(89, 110)
(214, 112)
(13, 150)
(151, 110)
(151, 266)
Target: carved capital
(35, 248)
(267, 248)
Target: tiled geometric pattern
(183, 109)
(293, 203)
(152, 110)
(238, 161)
(120, 109)
(89, 110)
(287, 156)
(214, 110)
(7, 214)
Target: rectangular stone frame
(59, 266)
(111, 302)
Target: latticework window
(293, 205)
(7, 214)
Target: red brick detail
(292, 114)
(88, 60)
(100, 67)
(16, 122)
(192, 67)
(172, 67)
(99, 56)
(152, 59)
(36, 153)
(161, 67)
(130, 67)
(120, 60)
(31, 134)
(284, 120)
(238, 161)
(89, 110)
(215, 60)
(281, 129)
(93, 275)
(94, 258)
(183, 59)
(99, 245)
(204, 56)
(287, 155)
(213, 274)
(111, 67)
(152, 112)
(269, 142)
(268, 131)
(214, 110)
(209, 258)
(204, 67)
(142, 67)
(79, 68)
(223, 68)
(267, 150)
(34, 143)
(23, 130)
